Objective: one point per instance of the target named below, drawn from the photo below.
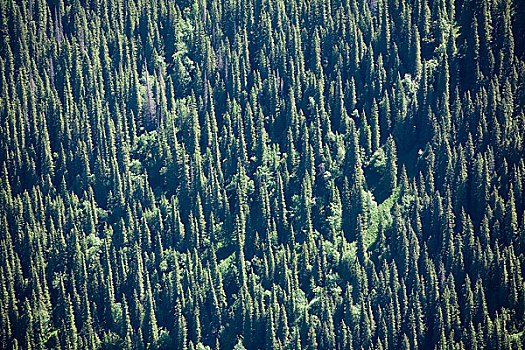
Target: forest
(262, 174)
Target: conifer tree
(249, 174)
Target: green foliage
(262, 174)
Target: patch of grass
(380, 213)
(517, 338)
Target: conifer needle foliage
(262, 174)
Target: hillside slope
(262, 174)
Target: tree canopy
(262, 174)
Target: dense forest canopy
(262, 174)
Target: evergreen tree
(248, 174)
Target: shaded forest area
(262, 174)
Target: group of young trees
(262, 174)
